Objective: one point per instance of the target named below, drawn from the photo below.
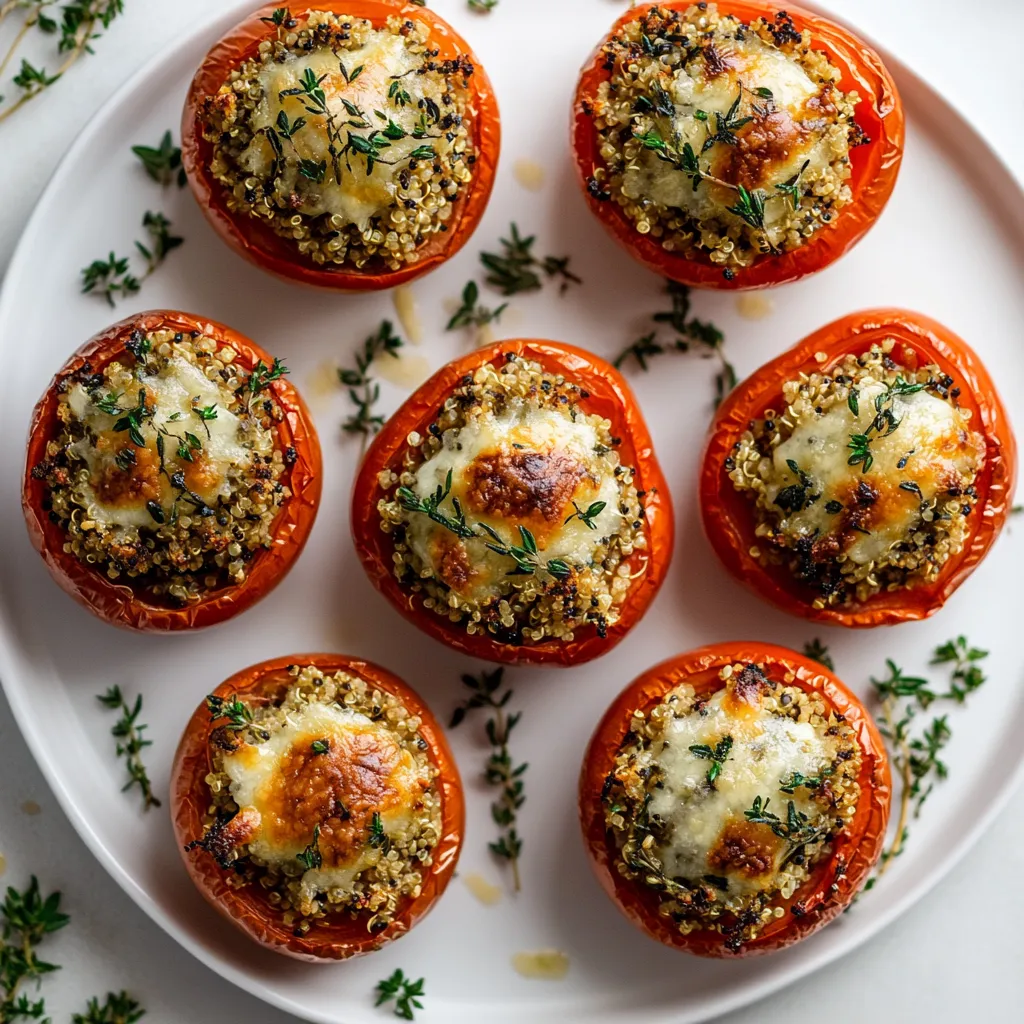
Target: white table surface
(957, 951)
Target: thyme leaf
(163, 162)
(471, 313)
(403, 990)
(362, 389)
(117, 1008)
(128, 731)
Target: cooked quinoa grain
(166, 472)
(324, 798)
(512, 514)
(348, 139)
(723, 140)
(862, 480)
(725, 804)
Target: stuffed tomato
(350, 144)
(734, 799)
(735, 145)
(513, 507)
(173, 473)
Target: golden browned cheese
(761, 146)
(745, 847)
(338, 790)
(451, 558)
(744, 692)
(119, 488)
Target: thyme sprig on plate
(515, 268)
(79, 25)
(363, 390)
(717, 755)
(482, 5)
(916, 755)
(163, 162)
(471, 313)
(688, 331)
(27, 918)
(817, 651)
(128, 731)
(404, 991)
(118, 1008)
(113, 277)
(501, 771)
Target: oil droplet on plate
(30, 807)
(3, 863)
(483, 890)
(404, 371)
(754, 306)
(408, 314)
(547, 964)
(529, 174)
(322, 384)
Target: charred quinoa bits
(167, 466)
(513, 507)
(718, 142)
(862, 480)
(734, 799)
(317, 805)
(351, 146)
(861, 476)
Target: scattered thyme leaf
(717, 755)
(311, 858)
(128, 732)
(163, 162)
(515, 268)
(118, 1008)
(403, 990)
(471, 313)
(362, 389)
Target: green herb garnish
(589, 514)
(362, 389)
(378, 837)
(431, 507)
(717, 755)
(130, 742)
(118, 1008)
(163, 162)
(817, 651)
(525, 554)
(470, 313)
(311, 858)
(404, 991)
(514, 269)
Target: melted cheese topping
(294, 789)
(175, 393)
(525, 467)
(933, 448)
(360, 196)
(709, 834)
(769, 150)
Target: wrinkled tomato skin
(728, 515)
(610, 397)
(269, 251)
(875, 164)
(120, 603)
(834, 882)
(248, 908)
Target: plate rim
(741, 995)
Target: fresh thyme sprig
(27, 918)
(471, 313)
(589, 514)
(311, 858)
(689, 330)
(128, 732)
(717, 755)
(916, 757)
(482, 5)
(883, 424)
(378, 839)
(525, 554)
(163, 162)
(431, 507)
(113, 276)
(119, 1008)
(80, 24)
(817, 651)
(515, 268)
(237, 712)
(796, 829)
(404, 991)
(363, 390)
(500, 771)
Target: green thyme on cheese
(512, 513)
(726, 849)
(862, 481)
(325, 799)
(348, 139)
(166, 471)
(723, 139)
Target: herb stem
(906, 786)
(24, 31)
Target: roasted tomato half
(513, 507)
(317, 805)
(734, 799)
(860, 477)
(735, 145)
(173, 473)
(348, 144)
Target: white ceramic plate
(951, 243)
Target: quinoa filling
(511, 514)
(166, 470)
(723, 140)
(326, 799)
(348, 139)
(863, 481)
(725, 804)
